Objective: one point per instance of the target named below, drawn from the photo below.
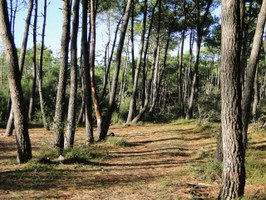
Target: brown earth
(159, 163)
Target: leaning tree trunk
(40, 71)
(61, 89)
(111, 107)
(233, 178)
(22, 55)
(20, 117)
(107, 70)
(251, 70)
(71, 116)
(34, 62)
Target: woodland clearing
(142, 161)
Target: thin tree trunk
(82, 107)
(195, 82)
(180, 85)
(42, 104)
(34, 61)
(111, 107)
(145, 99)
(107, 73)
(20, 117)
(138, 67)
(61, 89)
(92, 68)
(256, 97)
(9, 127)
(88, 103)
(161, 71)
(251, 70)
(71, 116)
(156, 66)
(155, 72)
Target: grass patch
(183, 121)
(117, 142)
(255, 168)
(210, 170)
(36, 166)
(201, 153)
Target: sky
(54, 27)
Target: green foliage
(37, 167)
(262, 114)
(47, 151)
(255, 167)
(162, 115)
(210, 170)
(116, 141)
(76, 154)
(120, 114)
(209, 107)
(85, 153)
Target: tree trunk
(9, 127)
(146, 87)
(256, 97)
(92, 68)
(88, 108)
(61, 89)
(251, 70)
(34, 62)
(233, 179)
(71, 116)
(138, 67)
(134, 107)
(111, 107)
(20, 117)
(180, 85)
(42, 104)
(155, 70)
(82, 107)
(107, 72)
(156, 66)
(195, 82)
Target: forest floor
(147, 161)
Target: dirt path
(158, 164)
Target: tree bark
(71, 116)
(251, 70)
(34, 62)
(61, 89)
(256, 97)
(233, 178)
(138, 67)
(40, 71)
(195, 82)
(9, 127)
(92, 68)
(88, 103)
(20, 117)
(111, 107)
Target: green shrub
(116, 141)
(209, 107)
(210, 170)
